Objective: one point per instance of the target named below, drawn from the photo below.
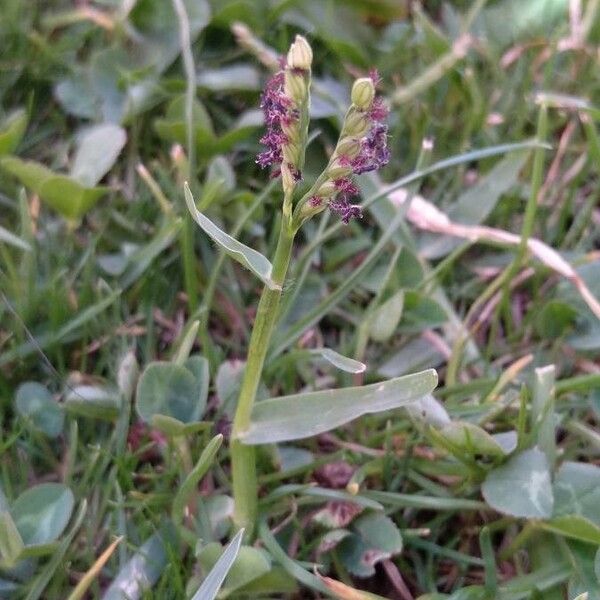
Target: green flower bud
(356, 124)
(310, 209)
(348, 146)
(363, 92)
(338, 168)
(326, 190)
(295, 86)
(300, 54)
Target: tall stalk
(243, 456)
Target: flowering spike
(285, 107)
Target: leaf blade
(303, 415)
(344, 363)
(212, 584)
(246, 256)
(521, 487)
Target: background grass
(118, 286)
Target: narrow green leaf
(542, 411)
(487, 553)
(424, 502)
(574, 526)
(10, 238)
(11, 130)
(249, 564)
(11, 542)
(191, 481)
(212, 584)
(290, 565)
(386, 317)
(314, 491)
(339, 360)
(246, 256)
(186, 343)
(304, 415)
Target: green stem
(242, 457)
(186, 243)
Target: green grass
(93, 291)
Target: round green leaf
(577, 491)
(376, 538)
(168, 389)
(42, 512)
(199, 367)
(34, 402)
(521, 487)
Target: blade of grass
(214, 580)
(290, 565)
(93, 572)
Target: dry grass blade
(426, 216)
(82, 587)
(345, 592)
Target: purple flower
(346, 187)
(342, 207)
(278, 111)
(374, 152)
(378, 111)
(375, 77)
